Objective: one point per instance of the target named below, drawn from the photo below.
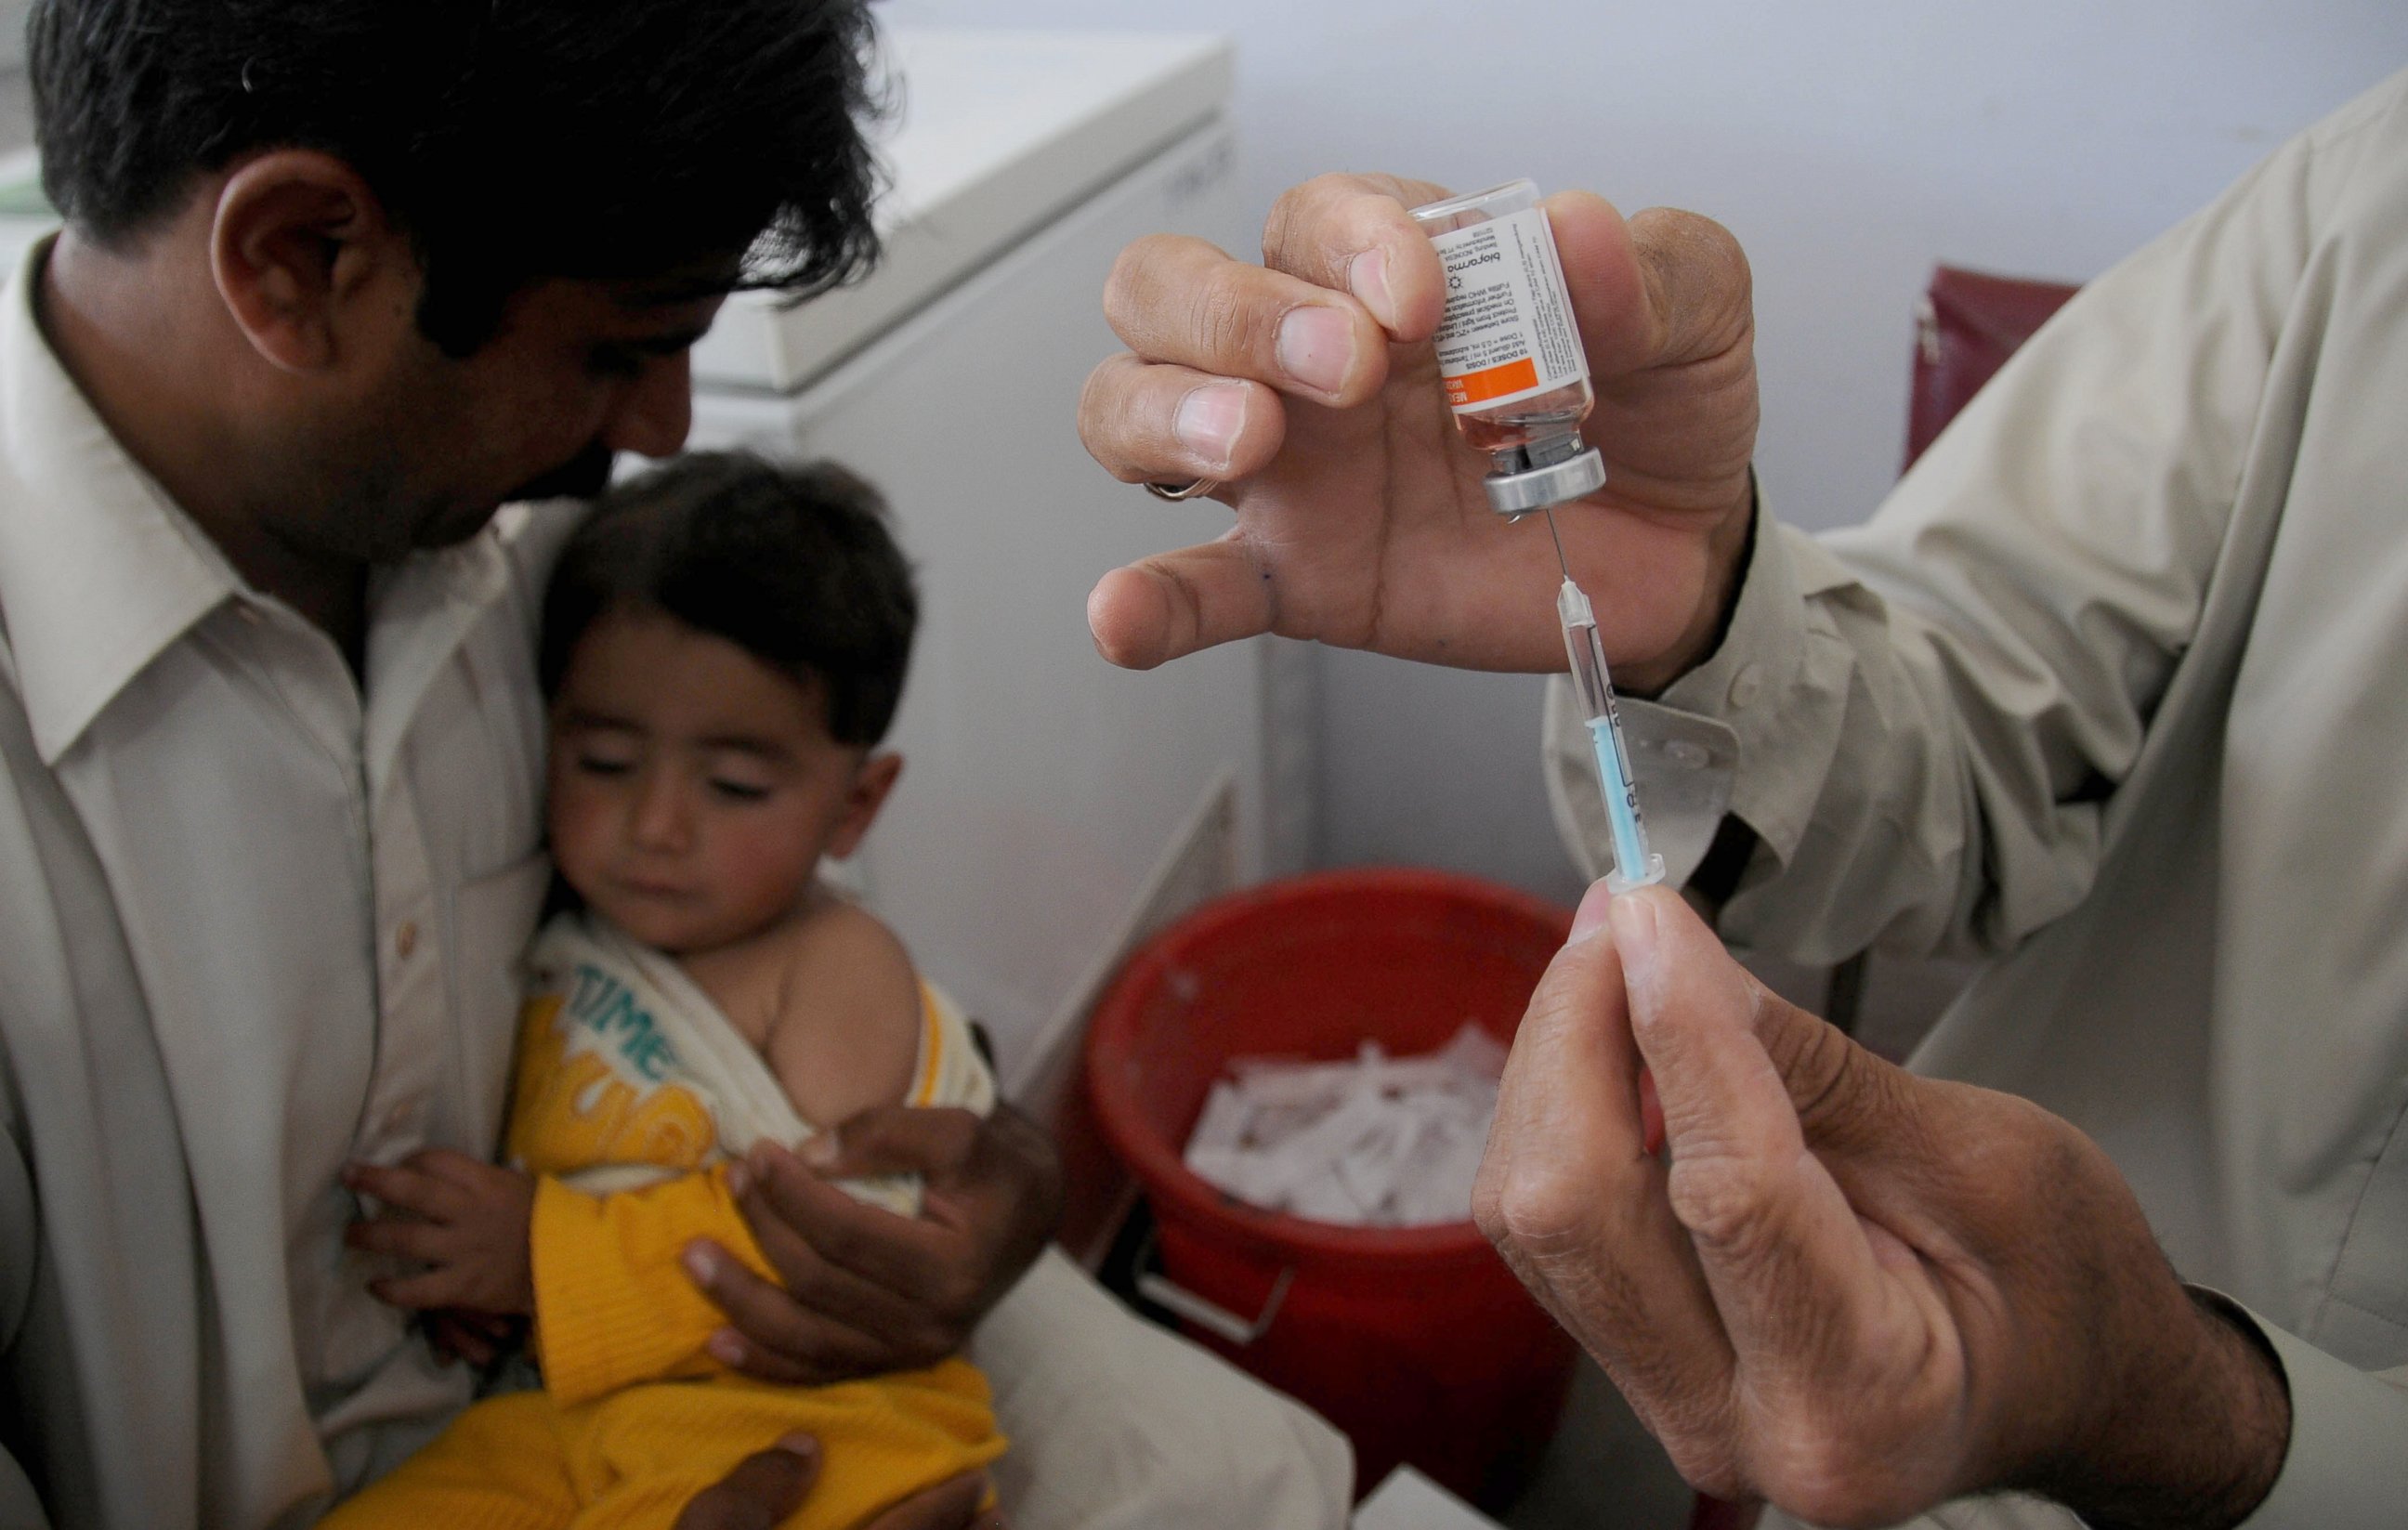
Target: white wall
(1850, 145)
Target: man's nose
(650, 418)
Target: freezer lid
(995, 133)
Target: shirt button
(405, 941)
(1746, 686)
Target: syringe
(1634, 864)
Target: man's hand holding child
(862, 1289)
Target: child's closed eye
(738, 791)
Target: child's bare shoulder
(847, 1032)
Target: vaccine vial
(1507, 350)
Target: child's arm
(846, 1035)
(604, 1273)
(615, 1303)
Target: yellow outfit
(633, 1094)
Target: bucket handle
(1205, 1314)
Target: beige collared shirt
(2113, 692)
(256, 919)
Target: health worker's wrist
(1730, 547)
(2195, 1436)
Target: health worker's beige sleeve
(2347, 1465)
(1924, 720)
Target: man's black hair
(792, 565)
(513, 140)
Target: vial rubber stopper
(1519, 494)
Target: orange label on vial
(1521, 377)
(1508, 330)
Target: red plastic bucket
(1417, 1342)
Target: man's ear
(871, 784)
(305, 259)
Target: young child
(723, 646)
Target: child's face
(694, 788)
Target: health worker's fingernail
(740, 1178)
(1634, 935)
(1315, 344)
(819, 1152)
(1367, 276)
(726, 1347)
(1591, 915)
(1208, 422)
(700, 1265)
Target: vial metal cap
(1536, 488)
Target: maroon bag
(1966, 327)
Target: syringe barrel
(1634, 864)
(1589, 678)
(1633, 860)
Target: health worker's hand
(1851, 1290)
(864, 1290)
(1308, 387)
(769, 1486)
(465, 1220)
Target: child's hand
(465, 1220)
(478, 1339)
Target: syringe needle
(1561, 562)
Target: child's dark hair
(792, 565)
